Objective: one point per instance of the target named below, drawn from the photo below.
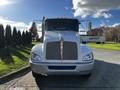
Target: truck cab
(61, 52)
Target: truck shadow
(104, 76)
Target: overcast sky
(21, 13)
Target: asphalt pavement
(105, 76)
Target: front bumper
(43, 68)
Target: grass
(109, 46)
(18, 57)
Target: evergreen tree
(27, 37)
(30, 37)
(15, 39)
(23, 38)
(8, 35)
(2, 38)
(33, 30)
(19, 37)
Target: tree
(2, 38)
(23, 38)
(19, 36)
(26, 37)
(108, 35)
(30, 37)
(8, 35)
(33, 30)
(15, 39)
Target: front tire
(36, 75)
(87, 75)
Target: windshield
(62, 25)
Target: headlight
(88, 57)
(35, 57)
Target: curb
(15, 74)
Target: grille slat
(54, 51)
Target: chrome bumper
(43, 68)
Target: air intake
(65, 51)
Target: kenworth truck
(61, 51)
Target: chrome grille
(65, 51)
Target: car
(61, 52)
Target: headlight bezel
(35, 57)
(88, 57)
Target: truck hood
(65, 35)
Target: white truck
(61, 51)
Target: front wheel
(87, 75)
(36, 75)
